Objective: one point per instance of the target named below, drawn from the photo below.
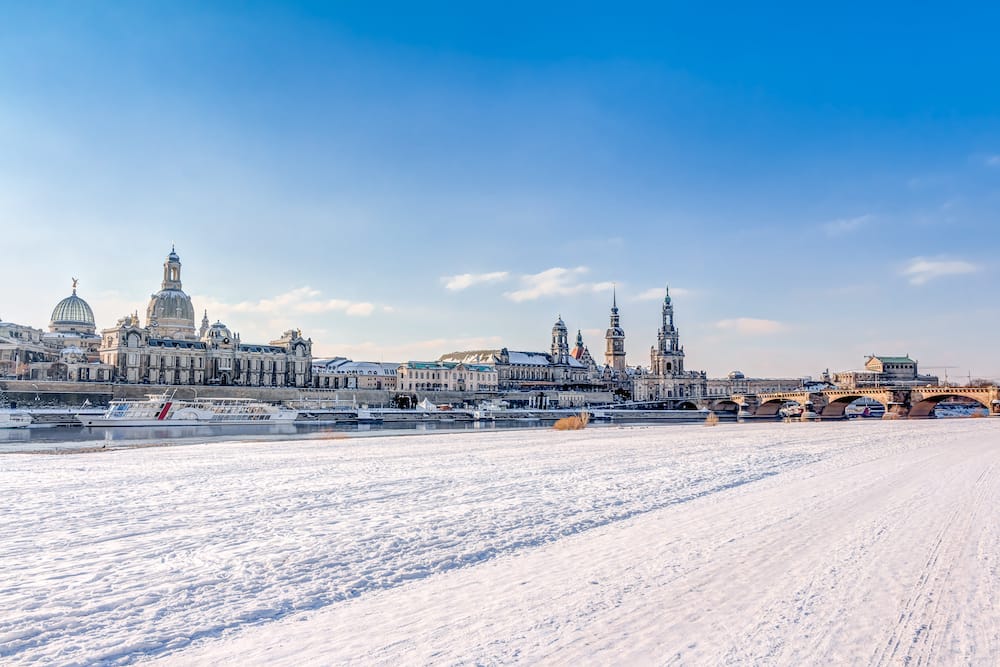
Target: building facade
(170, 350)
(446, 376)
(343, 373)
(667, 378)
(884, 370)
(737, 383)
(558, 369)
(68, 351)
(20, 346)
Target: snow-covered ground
(845, 543)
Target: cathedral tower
(667, 358)
(560, 342)
(614, 352)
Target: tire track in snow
(916, 635)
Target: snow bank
(782, 543)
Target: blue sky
(401, 181)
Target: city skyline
(404, 184)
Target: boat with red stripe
(165, 410)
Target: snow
(528, 358)
(815, 543)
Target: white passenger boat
(14, 419)
(165, 410)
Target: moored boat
(165, 410)
(14, 419)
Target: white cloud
(846, 225)
(751, 326)
(657, 293)
(920, 270)
(556, 281)
(993, 161)
(466, 280)
(302, 300)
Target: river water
(57, 439)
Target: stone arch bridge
(914, 402)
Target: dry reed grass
(573, 423)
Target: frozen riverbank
(779, 543)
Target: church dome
(219, 332)
(171, 304)
(170, 313)
(72, 312)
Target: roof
(529, 358)
(73, 310)
(447, 366)
(84, 335)
(271, 349)
(893, 360)
(518, 357)
(472, 356)
(170, 342)
(346, 366)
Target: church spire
(614, 338)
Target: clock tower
(614, 352)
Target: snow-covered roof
(518, 357)
(472, 356)
(345, 366)
(528, 358)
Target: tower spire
(614, 338)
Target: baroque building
(343, 373)
(20, 346)
(169, 350)
(529, 371)
(883, 370)
(68, 351)
(614, 353)
(582, 354)
(447, 376)
(667, 378)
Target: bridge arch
(687, 405)
(724, 405)
(836, 406)
(771, 406)
(925, 407)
